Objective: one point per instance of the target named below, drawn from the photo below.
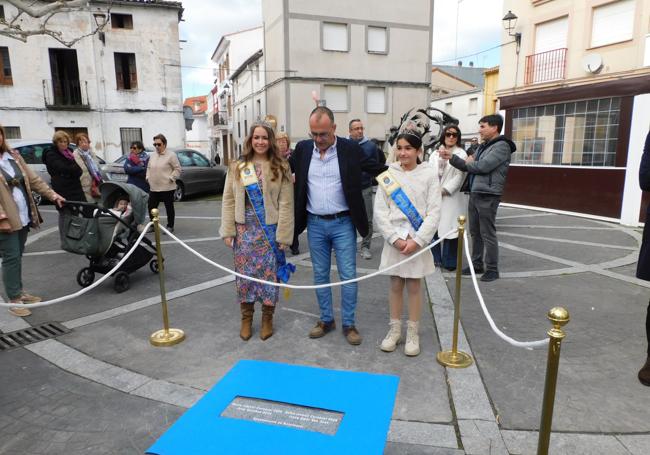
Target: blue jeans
(339, 235)
(447, 255)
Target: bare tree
(32, 18)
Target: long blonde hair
(4, 147)
(279, 167)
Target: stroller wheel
(153, 265)
(85, 277)
(122, 282)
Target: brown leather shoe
(267, 321)
(246, 330)
(19, 310)
(321, 329)
(644, 373)
(352, 335)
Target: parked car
(32, 153)
(198, 174)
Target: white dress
(423, 190)
(455, 204)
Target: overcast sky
(206, 21)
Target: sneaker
(393, 337)
(321, 329)
(365, 253)
(644, 373)
(352, 335)
(170, 229)
(28, 298)
(19, 310)
(467, 271)
(295, 251)
(490, 275)
(412, 347)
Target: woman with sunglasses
(162, 171)
(135, 166)
(454, 201)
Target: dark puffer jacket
(487, 174)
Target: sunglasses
(157, 144)
(134, 148)
(450, 134)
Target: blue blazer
(352, 161)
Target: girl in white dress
(419, 182)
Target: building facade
(373, 62)
(231, 52)
(576, 93)
(248, 87)
(197, 137)
(118, 86)
(458, 91)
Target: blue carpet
(365, 401)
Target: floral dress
(254, 257)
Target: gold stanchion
(166, 336)
(456, 358)
(558, 317)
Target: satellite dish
(592, 63)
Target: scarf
(90, 164)
(67, 154)
(135, 159)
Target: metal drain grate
(31, 335)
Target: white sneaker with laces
(365, 253)
(393, 337)
(412, 347)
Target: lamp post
(509, 24)
(100, 20)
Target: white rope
(84, 290)
(503, 336)
(315, 286)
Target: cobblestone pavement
(103, 389)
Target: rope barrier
(503, 336)
(84, 290)
(314, 286)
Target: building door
(72, 132)
(66, 87)
(127, 136)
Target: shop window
(580, 133)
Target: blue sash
(394, 190)
(252, 186)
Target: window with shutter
(5, 67)
(126, 74)
(612, 23)
(377, 39)
(335, 37)
(133, 73)
(336, 97)
(376, 100)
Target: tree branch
(57, 6)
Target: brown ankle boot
(267, 321)
(247, 310)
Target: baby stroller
(104, 235)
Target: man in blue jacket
(328, 202)
(487, 169)
(370, 151)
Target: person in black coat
(63, 169)
(643, 266)
(328, 200)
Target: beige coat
(278, 203)
(163, 170)
(86, 179)
(33, 182)
(455, 204)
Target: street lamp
(509, 24)
(100, 21)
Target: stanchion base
(454, 360)
(169, 338)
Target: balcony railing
(220, 118)
(65, 94)
(545, 66)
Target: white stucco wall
(155, 106)
(468, 122)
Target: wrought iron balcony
(66, 94)
(220, 118)
(545, 66)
